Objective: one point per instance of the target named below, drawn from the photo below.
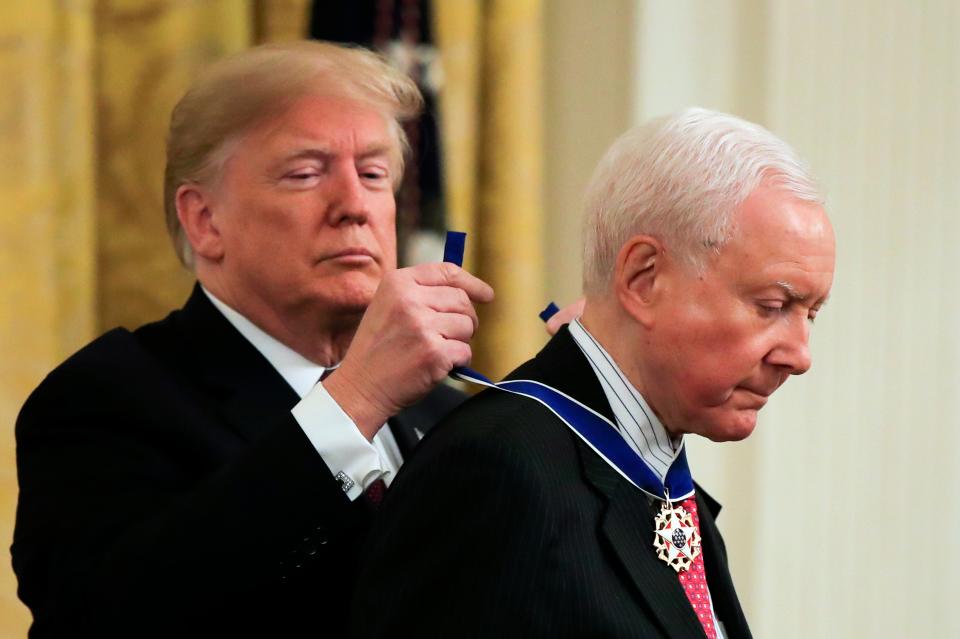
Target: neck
(324, 343)
(318, 335)
(603, 320)
(623, 339)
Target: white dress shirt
(356, 462)
(637, 423)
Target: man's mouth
(351, 254)
(758, 396)
(764, 389)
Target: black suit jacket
(518, 529)
(166, 490)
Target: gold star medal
(676, 538)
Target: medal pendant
(675, 538)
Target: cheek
(713, 364)
(386, 232)
(708, 384)
(261, 217)
(388, 244)
(711, 343)
(244, 234)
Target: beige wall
(868, 91)
(842, 513)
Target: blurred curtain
(88, 90)
(47, 247)
(491, 110)
(147, 53)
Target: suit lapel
(246, 390)
(627, 523)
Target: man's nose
(792, 351)
(348, 198)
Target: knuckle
(463, 326)
(470, 326)
(449, 271)
(436, 352)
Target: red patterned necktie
(694, 579)
(375, 492)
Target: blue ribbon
(594, 429)
(453, 247)
(549, 311)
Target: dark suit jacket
(166, 490)
(518, 529)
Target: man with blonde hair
(192, 477)
(561, 504)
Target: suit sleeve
(124, 530)
(461, 547)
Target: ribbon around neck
(596, 431)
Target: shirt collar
(638, 424)
(299, 372)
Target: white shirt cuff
(353, 460)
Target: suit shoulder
(495, 425)
(106, 366)
(504, 453)
(109, 351)
(115, 351)
(441, 401)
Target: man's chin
(739, 427)
(347, 293)
(355, 302)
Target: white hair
(680, 178)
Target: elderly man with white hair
(561, 503)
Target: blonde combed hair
(240, 91)
(681, 178)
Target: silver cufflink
(345, 482)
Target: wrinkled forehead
(777, 236)
(771, 216)
(323, 123)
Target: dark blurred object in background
(401, 31)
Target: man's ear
(196, 218)
(637, 277)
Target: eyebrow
(790, 290)
(794, 294)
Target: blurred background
(842, 512)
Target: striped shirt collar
(637, 423)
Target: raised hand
(416, 330)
